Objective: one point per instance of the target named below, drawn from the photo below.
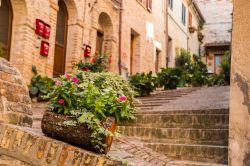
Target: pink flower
(61, 101)
(68, 76)
(75, 80)
(58, 83)
(122, 98)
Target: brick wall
(83, 23)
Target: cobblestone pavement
(133, 153)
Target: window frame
(170, 4)
(183, 14)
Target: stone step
(181, 120)
(155, 99)
(148, 105)
(177, 135)
(191, 163)
(200, 153)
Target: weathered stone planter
(78, 135)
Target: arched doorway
(5, 28)
(104, 36)
(61, 40)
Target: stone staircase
(186, 137)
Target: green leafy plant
(40, 85)
(97, 63)
(226, 67)
(197, 72)
(143, 83)
(170, 78)
(183, 59)
(92, 97)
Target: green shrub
(170, 78)
(226, 67)
(216, 80)
(90, 98)
(197, 72)
(183, 60)
(143, 83)
(40, 85)
(98, 63)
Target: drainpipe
(167, 33)
(120, 38)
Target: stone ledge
(33, 148)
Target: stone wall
(21, 145)
(239, 141)
(15, 102)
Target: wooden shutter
(190, 19)
(149, 5)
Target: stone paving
(210, 98)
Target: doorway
(134, 52)
(157, 60)
(5, 28)
(61, 40)
(99, 42)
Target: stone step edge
(191, 163)
(184, 112)
(170, 141)
(191, 145)
(176, 128)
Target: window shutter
(190, 19)
(149, 5)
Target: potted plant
(169, 78)
(39, 86)
(143, 83)
(96, 63)
(85, 107)
(191, 29)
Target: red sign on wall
(46, 32)
(44, 51)
(39, 27)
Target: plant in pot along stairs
(85, 108)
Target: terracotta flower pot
(79, 134)
(191, 29)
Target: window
(170, 4)
(183, 15)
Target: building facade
(75, 25)
(239, 118)
(144, 38)
(184, 19)
(216, 30)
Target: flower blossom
(122, 98)
(68, 76)
(58, 83)
(61, 101)
(75, 80)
